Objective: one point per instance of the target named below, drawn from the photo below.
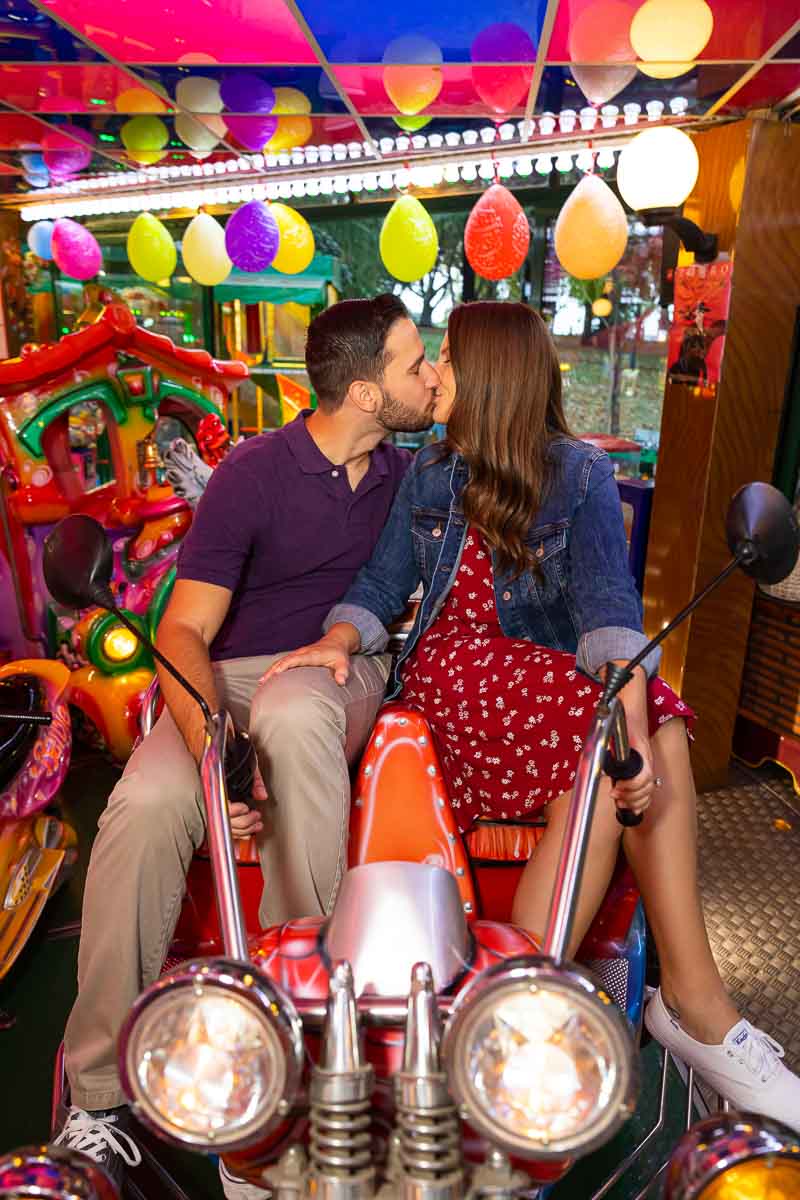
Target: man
(284, 525)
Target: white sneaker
(239, 1189)
(745, 1069)
(101, 1136)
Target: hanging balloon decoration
(140, 100)
(244, 92)
(668, 35)
(602, 307)
(40, 239)
(34, 170)
(497, 234)
(151, 250)
(252, 237)
(412, 73)
(591, 231)
(145, 138)
(409, 243)
(75, 250)
(413, 124)
(296, 248)
(502, 88)
(200, 135)
(203, 251)
(294, 126)
(67, 150)
(600, 33)
(199, 94)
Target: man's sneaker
(745, 1068)
(239, 1189)
(101, 1136)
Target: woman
(515, 530)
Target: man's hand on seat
(332, 651)
(245, 821)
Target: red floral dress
(508, 717)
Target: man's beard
(397, 417)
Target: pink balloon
(75, 250)
(63, 154)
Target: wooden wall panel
(741, 439)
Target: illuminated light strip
(423, 174)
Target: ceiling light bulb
(566, 120)
(547, 123)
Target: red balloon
(502, 88)
(497, 234)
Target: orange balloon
(497, 234)
(290, 133)
(411, 89)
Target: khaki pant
(306, 730)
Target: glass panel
(613, 366)
(468, 90)
(192, 32)
(597, 31)
(352, 32)
(70, 88)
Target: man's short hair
(348, 342)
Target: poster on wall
(697, 337)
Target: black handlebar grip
(628, 768)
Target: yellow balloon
(290, 100)
(290, 132)
(145, 138)
(203, 250)
(591, 231)
(296, 247)
(409, 243)
(151, 250)
(671, 32)
(602, 307)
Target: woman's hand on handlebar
(637, 793)
(332, 651)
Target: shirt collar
(310, 458)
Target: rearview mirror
(762, 532)
(77, 563)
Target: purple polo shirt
(280, 527)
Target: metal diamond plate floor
(749, 837)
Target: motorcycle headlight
(112, 647)
(735, 1156)
(211, 1055)
(540, 1059)
(53, 1173)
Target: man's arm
(187, 629)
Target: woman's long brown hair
(507, 409)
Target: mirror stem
(105, 598)
(618, 677)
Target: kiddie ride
(82, 427)
(37, 850)
(407, 1046)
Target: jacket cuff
(374, 638)
(611, 643)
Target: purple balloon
(246, 92)
(252, 132)
(252, 237)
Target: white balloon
(601, 84)
(203, 250)
(201, 136)
(199, 94)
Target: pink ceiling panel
(18, 132)
(189, 31)
(469, 90)
(65, 88)
(596, 31)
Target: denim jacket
(581, 598)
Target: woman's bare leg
(662, 852)
(532, 899)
